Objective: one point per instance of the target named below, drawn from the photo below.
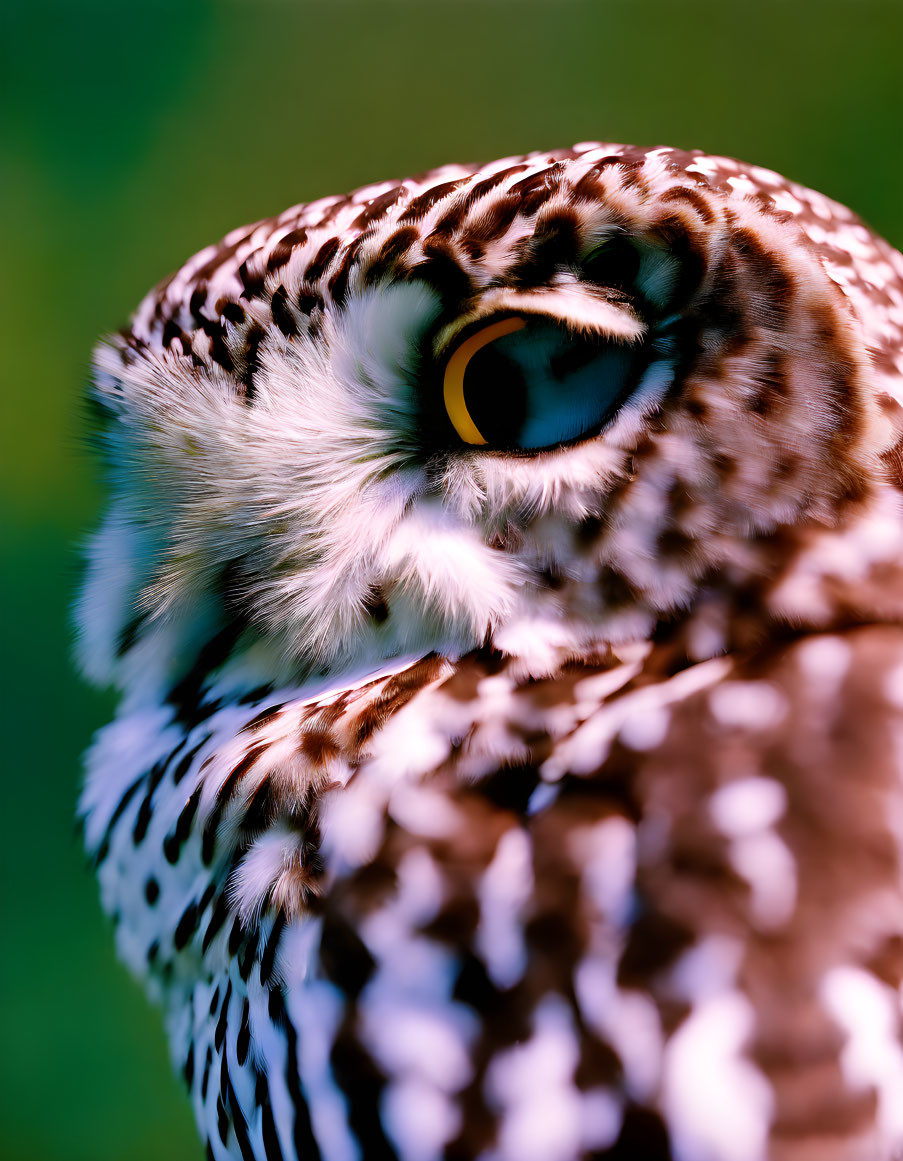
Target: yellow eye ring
(453, 381)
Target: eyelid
(453, 380)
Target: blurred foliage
(132, 134)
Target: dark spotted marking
(534, 183)
(553, 940)
(230, 311)
(450, 222)
(255, 695)
(259, 810)
(219, 350)
(145, 811)
(305, 1142)
(271, 946)
(205, 1079)
(185, 761)
(534, 190)
(103, 848)
(456, 922)
(362, 1083)
(207, 894)
(344, 957)
(421, 205)
(655, 941)
(323, 257)
(186, 927)
(769, 278)
(617, 590)
(243, 1040)
(271, 1147)
(172, 332)
(672, 544)
(643, 1135)
(276, 1008)
(722, 311)
(284, 248)
(187, 695)
(505, 1019)
(318, 745)
(238, 771)
(377, 207)
(389, 254)
(252, 280)
(375, 605)
(197, 302)
(510, 787)
(693, 198)
(282, 315)
(481, 188)
(222, 1119)
(491, 224)
(236, 937)
(609, 161)
(208, 836)
(632, 177)
(246, 955)
(223, 798)
(590, 188)
(250, 361)
(264, 718)
(599, 1064)
(441, 269)
(219, 1033)
(129, 634)
(474, 987)
(309, 300)
(217, 919)
(175, 840)
(551, 246)
(151, 890)
(396, 693)
(222, 255)
(338, 281)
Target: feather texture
(472, 803)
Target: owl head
(548, 404)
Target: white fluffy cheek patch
(566, 481)
(372, 342)
(434, 558)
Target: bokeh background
(134, 133)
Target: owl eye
(531, 383)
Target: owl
(503, 583)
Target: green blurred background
(132, 134)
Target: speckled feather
(463, 804)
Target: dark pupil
(495, 391)
(544, 385)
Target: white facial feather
(318, 499)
